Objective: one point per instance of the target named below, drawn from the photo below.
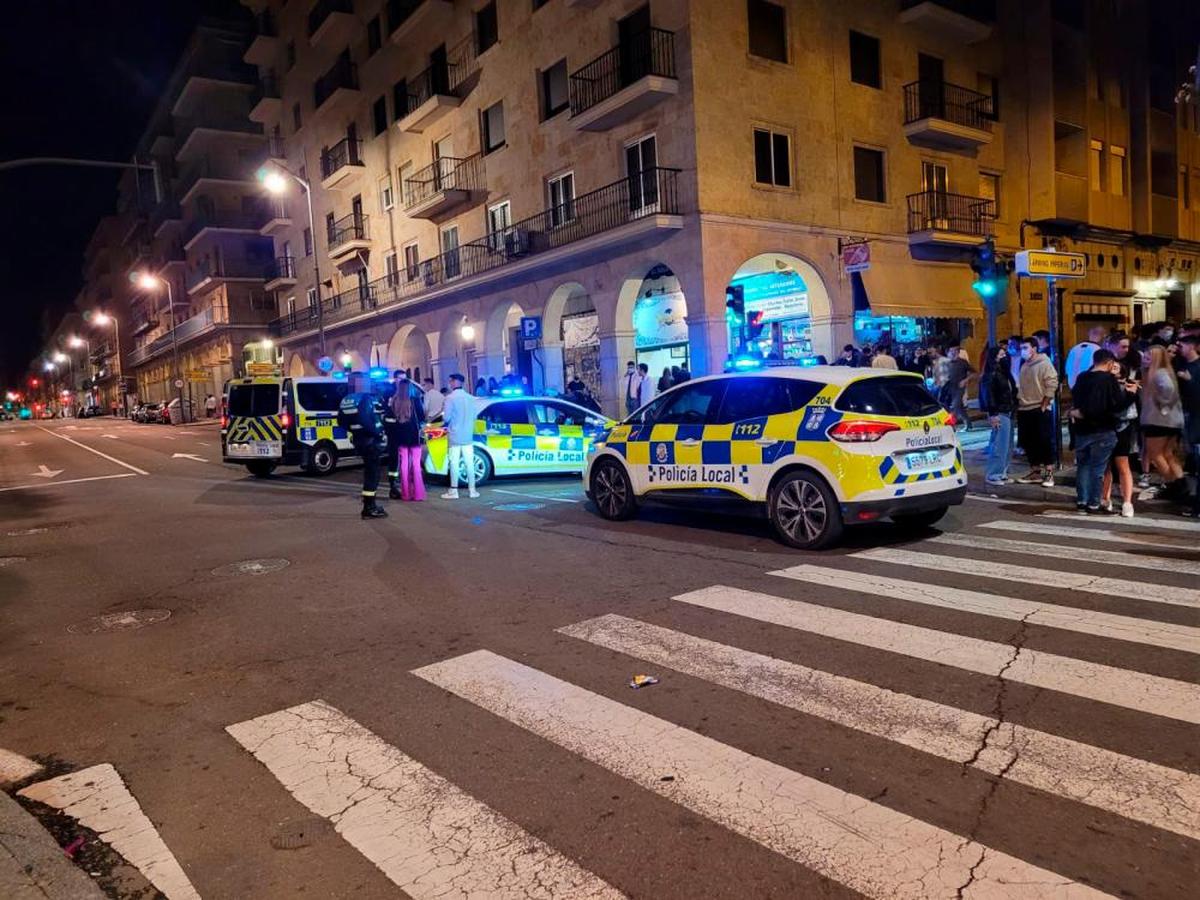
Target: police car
(270, 421)
(517, 435)
(816, 449)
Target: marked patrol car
(816, 449)
(521, 436)
(271, 421)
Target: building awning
(921, 290)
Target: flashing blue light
(744, 363)
(325, 364)
(340, 376)
(807, 361)
(378, 373)
(511, 392)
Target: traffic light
(754, 325)
(735, 306)
(991, 276)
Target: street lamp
(102, 319)
(274, 179)
(148, 282)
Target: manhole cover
(10, 560)
(519, 507)
(252, 567)
(27, 531)
(300, 833)
(126, 620)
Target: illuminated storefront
(660, 322)
(777, 295)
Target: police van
(815, 449)
(270, 421)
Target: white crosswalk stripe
(1029, 575)
(1074, 553)
(1068, 618)
(863, 845)
(426, 835)
(1136, 522)
(1140, 790)
(1149, 542)
(1133, 690)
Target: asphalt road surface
(438, 704)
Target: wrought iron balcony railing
(956, 213)
(348, 228)
(344, 153)
(343, 74)
(650, 53)
(446, 174)
(443, 78)
(281, 267)
(948, 102)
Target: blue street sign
(531, 327)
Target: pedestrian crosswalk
(1107, 633)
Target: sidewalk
(32, 865)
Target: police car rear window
(316, 396)
(254, 400)
(891, 395)
(758, 397)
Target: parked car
(151, 413)
(92, 411)
(135, 414)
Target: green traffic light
(986, 287)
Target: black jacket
(998, 392)
(1100, 398)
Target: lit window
(772, 158)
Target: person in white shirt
(434, 401)
(646, 390)
(458, 416)
(1079, 357)
(631, 386)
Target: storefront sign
(777, 295)
(660, 319)
(1050, 264)
(856, 257)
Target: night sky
(78, 78)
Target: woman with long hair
(1118, 467)
(1162, 420)
(409, 413)
(998, 398)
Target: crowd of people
(639, 387)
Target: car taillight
(285, 420)
(433, 433)
(224, 421)
(859, 432)
(951, 419)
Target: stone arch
(409, 349)
(504, 316)
(296, 366)
(556, 308)
(629, 288)
(791, 293)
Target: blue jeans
(1000, 448)
(1092, 455)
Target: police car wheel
(805, 511)
(323, 459)
(920, 520)
(260, 469)
(612, 491)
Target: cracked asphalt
(1090, 794)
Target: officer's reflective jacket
(362, 416)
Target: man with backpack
(1099, 399)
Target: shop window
(869, 181)
(487, 27)
(555, 96)
(865, 66)
(772, 158)
(768, 30)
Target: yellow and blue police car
(518, 435)
(815, 448)
(270, 421)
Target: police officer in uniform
(391, 427)
(361, 414)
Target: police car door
(560, 433)
(505, 430)
(674, 441)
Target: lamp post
(273, 177)
(75, 342)
(60, 358)
(148, 282)
(102, 319)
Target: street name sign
(1049, 264)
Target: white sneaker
(474, 495)
(450, 495)
(1126, 510)
(1048, 481)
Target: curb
(32, 865)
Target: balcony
(331, 22)
(341, 164)
(411, 17)
(142, 324)
(347, 236)
(632, 211)
(624, 82)
(202, 225)
(438, 89)
(948, 220)
(210, 272)
(278, 218)
(197, 135)
(337, 88)
(446, 184)
(264, 48)
(101, 352)
(206, 173)
(280, 274)
(266, 104)
(166, 215)
(962, 21)
(946, 116)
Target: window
(555, 97)
(869, 183)
(692, 405)
(400, 99)
(891, 395)
(291, 56)
(507, 412)
(768, 30)
(1095, 161)
(499, 218)
(386, 198)
(297, 123)
(321, 396)
(379, 115)
(308, 245)
(253, 400)
(753, 398)
(989, 189)
(865, 67)
(493, 127)
(391, 266)
(562, 414)
(989, 86)
(1116, 170)
(404, 173)
(329, 235)
(561, 194)
(451, 264)
(374, 36)
(487, 27)
(772, 158)
(311, 296)
(412, 261)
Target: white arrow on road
(24, 444)
(44, 472)
(113, 436)
(188, 456)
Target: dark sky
(78, 78)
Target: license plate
(256, 448)
(926, 459)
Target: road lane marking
(14, 768)
(1105, 684)
(45, 471)
(537, 496)
(1073, 553)
(111, 459)
(98, 799)
(1028, 575)
(45, 484)
(1133, 788)
(1050, 615)
(190, 456)
(1103, 535)
(112, 436)
(863, 845)
(430, 838)
(1135, 522)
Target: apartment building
(199, 230)
(102, 308)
